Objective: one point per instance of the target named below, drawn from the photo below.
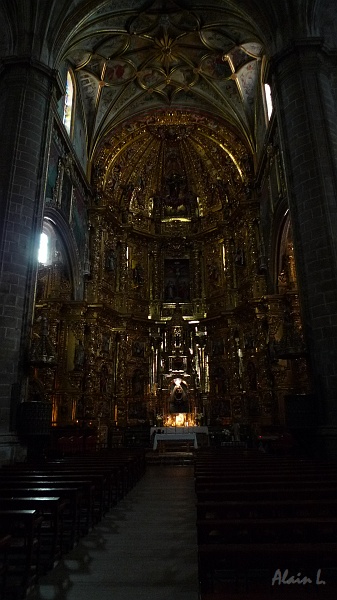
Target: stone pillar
(306, 112)
(25, 99)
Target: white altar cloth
(175, 430)
(175, 437)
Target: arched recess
(59, 283)
(63, 250)
(285, 279)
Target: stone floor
(145, 548)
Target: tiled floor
(145, 549)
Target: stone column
(25, 99)
(306, 112)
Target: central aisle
(145, 548)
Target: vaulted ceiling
(165, 82)
(169, 94)
(166, 56)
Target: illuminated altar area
(181, 420)
(176, 331)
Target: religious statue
(110, 261)
(178, 396)
(137, 275)
(79, 355)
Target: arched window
(49, 249)
(68, 103)
(43, 249)
(268, 100)
(287, 278)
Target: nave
(238, 524)
(144, 549)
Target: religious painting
(184, 75)
(216, 67)
(66, 195)
(118, 71)
(149, 78)
(176, 280)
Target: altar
(175, 437)
(176, 430)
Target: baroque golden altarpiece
(189, 310)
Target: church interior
(168, 230)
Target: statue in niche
(104, 379)
(79, 355)
(106, 343)
(170, 291)
(252, 379)
(137, 275)
(218, 347)
(137, 383)
(214, 275)
(110, 261)
(239, 257)
(138, 349)
(220, 381)
(178, 396)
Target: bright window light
(269, 101)
(68, 103)
(43, 249)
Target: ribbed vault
(134, 61)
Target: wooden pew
(71, 496)
(222, 484)
(5, 542)
(35, 480)
(249, 563)
(256, 514)
(23, 554)
(228, 531)
(51, 509)
(266, 508)
(267, 493)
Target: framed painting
(177, 280)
